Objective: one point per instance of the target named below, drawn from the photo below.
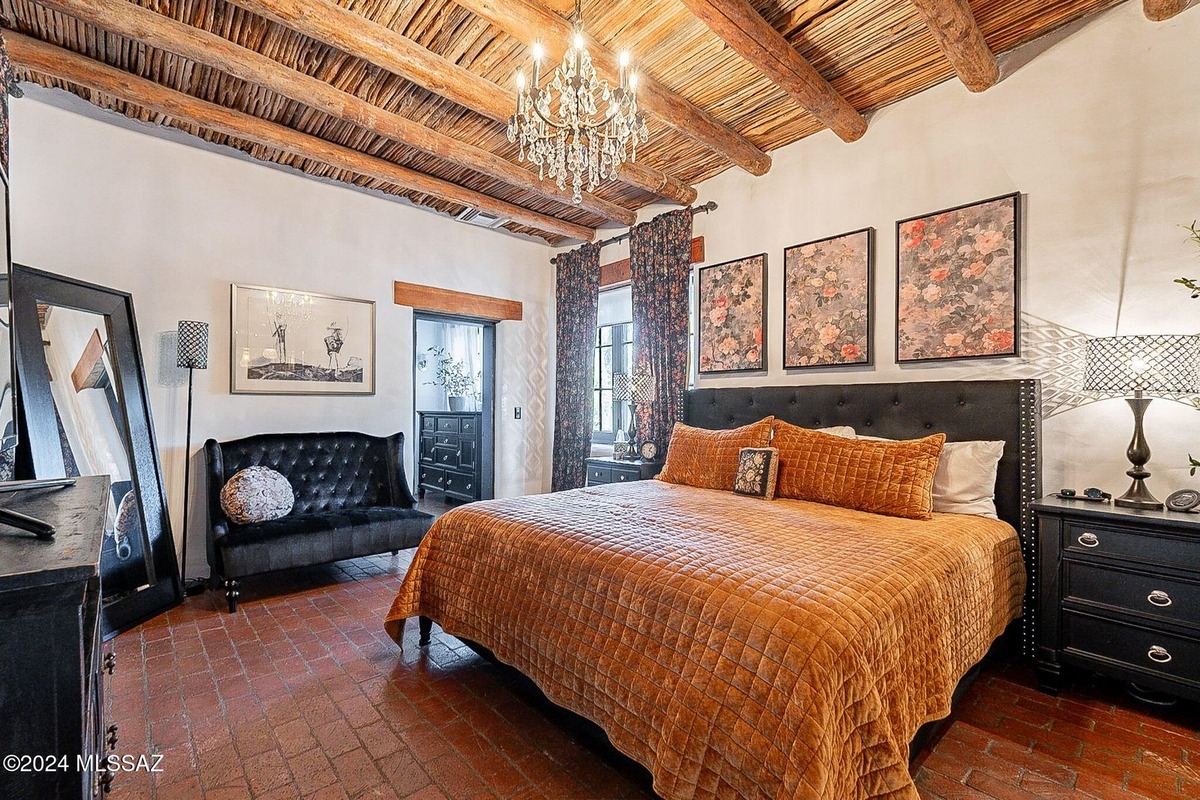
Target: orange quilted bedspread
(735, 647)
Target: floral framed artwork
(731, 316)
(292, 342)
(827, 301)
(958, 282)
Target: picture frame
(828, 302)
(958, 282)
(287, 341)
(731, 316)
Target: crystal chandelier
(576, 138)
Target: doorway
(454, 365)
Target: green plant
(452, 374)
(1191, 283)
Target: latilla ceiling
(408, 97)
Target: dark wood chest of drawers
(611, 470)
(52, 670)
(1119, 594)
(452, 458)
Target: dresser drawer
(428, 423)
(1163, 654)
(447, 425)
(463, 485)
(597, 475)
(469, 425)
(446, 456)
(1140, 545)
(431, 478)
(448, 440)
(1168, 599)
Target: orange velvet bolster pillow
(892, 478)
(709, 459)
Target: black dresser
(51, 668)
(452, 457)
(613, 470)
(1119, 594)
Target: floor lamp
(192, 354)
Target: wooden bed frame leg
(425, 626)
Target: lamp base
(1139, 496)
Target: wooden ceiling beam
(741, 27)
(523, 19)
(66, 65)
(1160, 10)
(143, 25)
(327, 22)
(953, 24)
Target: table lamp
(1143, 365)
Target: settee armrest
(401, 494)
(214, 474)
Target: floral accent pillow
(758, 468)
(257, 494)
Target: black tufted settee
(352, 499)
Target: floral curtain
(577, 293)
(660, 260)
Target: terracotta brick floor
(301, 694)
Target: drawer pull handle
(1089, 540)
(1159, 598)
(1158, 654)
(469, 485)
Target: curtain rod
(711, 205)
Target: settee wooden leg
(425, 626)
(231, 594)
(395, 552)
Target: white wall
(1097, 127)
(176, 225)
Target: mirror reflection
(84, 410)
(93, 435)
(8, 420)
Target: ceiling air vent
(473, 216)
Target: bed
(740, 647)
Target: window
(613, 353)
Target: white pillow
(844, 431)
(965, 481)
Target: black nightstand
(1119, 594)
(612, 470)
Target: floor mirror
(85, 411)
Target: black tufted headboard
(963, 410)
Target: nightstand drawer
(1140, 545)
(1167, 599)
(597, 475)
(1132, 645)
(622, 475)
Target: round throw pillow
(256, 494)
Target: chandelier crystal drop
(577, 126)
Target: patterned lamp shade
(1151, 364)
(193, 345)
(622, 386)
(643, 387)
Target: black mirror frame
(40, 435)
